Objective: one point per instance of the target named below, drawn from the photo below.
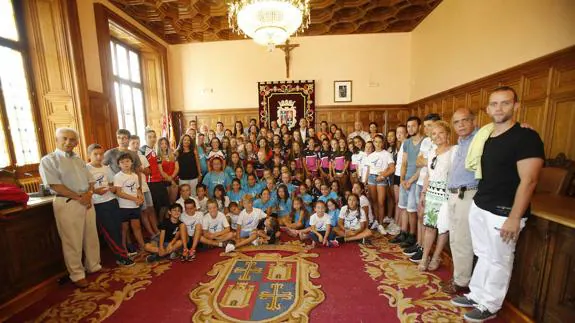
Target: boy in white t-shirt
(130, 198)
(148, 216)
(185, 192)
(106, 205)
(352, 223)
(248, 221)
(321, 231)
(215, 226)
(192, 218)
(202, 198)
(233, 215)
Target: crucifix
(287, 48)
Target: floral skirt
(435, 196)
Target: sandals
(434, 264)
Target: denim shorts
(245, 234)
(372, 180)
(407, 199)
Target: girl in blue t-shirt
(252, 187)
(333, 211)
(233, 163)
(283, 203)
(202, 154)
(306, 198)
(241, 175)
(297, 223)
(236, 193)
(216, 177)
(265, 203)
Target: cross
(287, 48)
(248, 270)
(275, 295)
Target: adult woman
(189, 163)
(391, 147)
(264, 145)
(380, 165)
(332, 129)
(435, 190)
(400, 136)
(168, 167)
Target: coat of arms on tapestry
(286, 102)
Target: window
(128, 88)
(18, 137)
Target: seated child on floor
(327, 194)
(265, 202)
(201, 198)
(236, 193)
(297, 223)
(169, 240)
(306, 197)
(222, 199)
(320, 224)
(215, 227)
(352, 223)
(248, 223)
(333, 212)
(269, 230)
(192, 219)
(283, 202)
(233, 215)
(185, 193)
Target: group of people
(249, 186)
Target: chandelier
(268, 22)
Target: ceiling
(184, 21)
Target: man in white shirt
(358, 127)
(303, 129)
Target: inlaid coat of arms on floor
(266, 286)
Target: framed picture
(342, 91)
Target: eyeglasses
(433, 162)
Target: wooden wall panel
(102, 131)
(58, 83)
(546, 89)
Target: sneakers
(399, 238)
(230, 246)
(387, 220)
(416, 257)
(479, 314)
(126, 262)
(374, 225)
(463, 301)
(393, 228)
(411, 250)
(132, 254)
(174, 255)
(381, 230)
(191, 255)
(152, 258)
(408, 242)
(333, 244)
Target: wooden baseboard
(29, 297)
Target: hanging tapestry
(286, 102)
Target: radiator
(30, 185)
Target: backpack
(12, 194)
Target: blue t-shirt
(203, 163)
(331, 195)
(412, 152)
(259, 204)
(236, 197)
(308, 201)
(284, 207)
(212, 179)
(296, 219)
(253, 190)
(291, 188)
(334, 216)
(230, 172)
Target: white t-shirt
(234, 219)
(129, 185)
(399, 161)
(352, 219)
(378, 161)
(181, 201)
(363, 134)
(191, 221)
(224, 204)
(145, 164)
(214, 154)
(320, 223)
(201, 205)
(250, 221)
(357, 160)
(103, 176)
(424, 149)
(214, 225)
(364, 201)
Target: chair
(556, 176)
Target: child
(248, 224)
(320, 224)
(283, 203)
(298, 224)
(358, 189)
(327, 194)
(311, 164)
(168, 241)
(216, 176)
(286, 181)
(299, 178)
(333, 211)
(316, 188)
(252, 187)
(296, 155)
(340, 163)
(261, 164)
(106, 205)
(355, 167)
(216, 152)
(265, 203)
(222, 199)
(233, 215)
(324, 156)
(192, 219)
(149, 219)
(185, 193)
(306, 197)
(236, 193)
(352, 223)
(130, 198)
(215, 226)
(269, 230)
(201, 198)
(234, 163)
(241, 175)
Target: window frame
(129, 82)
(22, 47)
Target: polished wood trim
(511, 314)
(555, 208)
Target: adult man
(510, 165)
(193, 124)
(408, 189)
(111, 156)
(220, 130)
(358, 131)
(416, 251)
(462, 187)
(303, 129)
(68, 177)
(274, 127)
(154, 178)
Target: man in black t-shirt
(510, 165)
